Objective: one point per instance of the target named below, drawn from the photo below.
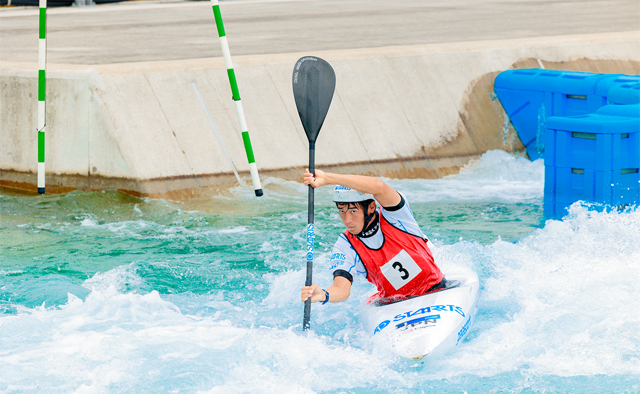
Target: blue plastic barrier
(631, 110)
(531, 96)
(594, 158)
(628, 93)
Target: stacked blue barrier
(593, 158)
(530, 96)
(587, 128)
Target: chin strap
(372, 228)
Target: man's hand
(312, 291)
(338, 291)
(383, 193)
(320, 178)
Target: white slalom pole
(42, 62)
(255, 178)
(217, 135)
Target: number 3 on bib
(400, 270)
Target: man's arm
(338, 291)
(383, 193)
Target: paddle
(313, 84)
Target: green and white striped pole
(42, 61)
(255, 178)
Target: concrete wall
(414, 111)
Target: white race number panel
(400, 270)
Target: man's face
(352, 216)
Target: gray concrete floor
(151, 30)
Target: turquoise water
(103, 292)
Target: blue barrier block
(549, 190)
(626, 187)
(594, 158)
(572, 186)
(613, 81)
(530, 96)
(555, 209)
(526, 113)
(629, 110)
(594, 141)
(628, 93)
(587, 125)
(540, 80)
(612, 188)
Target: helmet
(345, 194)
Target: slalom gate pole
(42, 62)
(255, 178)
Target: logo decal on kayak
(464, 329)
(418, 313)
(381, 326)
(430, 309)
(421, 322)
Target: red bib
(402, 267)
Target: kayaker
(384, 244)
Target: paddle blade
(313, 84)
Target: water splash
(541, 130)
(153, 296)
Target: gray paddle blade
(313, 84)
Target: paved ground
(152, 30)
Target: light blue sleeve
(344, 257)
(403, 219)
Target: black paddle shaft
(310, 220)
(314, 82)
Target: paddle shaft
(314, 82)
(310, 236)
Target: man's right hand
(318, 180)
(313, 291)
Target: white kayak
(428, 324)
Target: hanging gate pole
(42, 61)
(255, 178)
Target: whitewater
(103, 292)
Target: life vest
(402, 267)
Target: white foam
(116, 340)
(10, 272)
(233, 230)
(121, 278)
(562, 301)
(89, 222)
(496, 176)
